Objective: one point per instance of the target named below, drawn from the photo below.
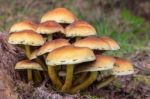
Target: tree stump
(8, 57)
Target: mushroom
(80, 29)
(52, 45)
(121, 67)
(49, 28)
(29, 65)
(69, 55)
(60, 15)
(112, 43)
(48, 47)
(23, 25)
(102, 63)
(27, 38)
(98, 44)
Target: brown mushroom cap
(122, 67)
(27, 37)
(27, 64)
(112, 43)
(93, 43)
(60, 15)
(69, 55)
(80, 28)
(52, 45)
(49, 27)
(103, 62)
(24, 25)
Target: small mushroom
(80, 29)
(70, 55)
(99, 44)
(121, 67)
(29, 66)
(59, 15)
(112, 43)
(52, 45)
(23, 25)
(102, 63)
(49, 28)
(27, 38)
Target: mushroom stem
(41, 63)
(37, 76)
(81, 78)
(78, 38)
(105, 82)
(86, 83)
(29, 73)
(69, 77)
(53, 76)
(27, 51)
(50, 37)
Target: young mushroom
(112, 43)
(23, 25)
(29, 66)
(102, 63)
(60, 15)
(69, 55)
(27, 38)
(49, 28)
(98, 44)
(52, 45)
(80, 29)
(48, 47)
(121, 67)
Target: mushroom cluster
(66, 50)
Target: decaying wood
(8, 58)
(6, 87)
(9, 55)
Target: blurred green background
(126, 21)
